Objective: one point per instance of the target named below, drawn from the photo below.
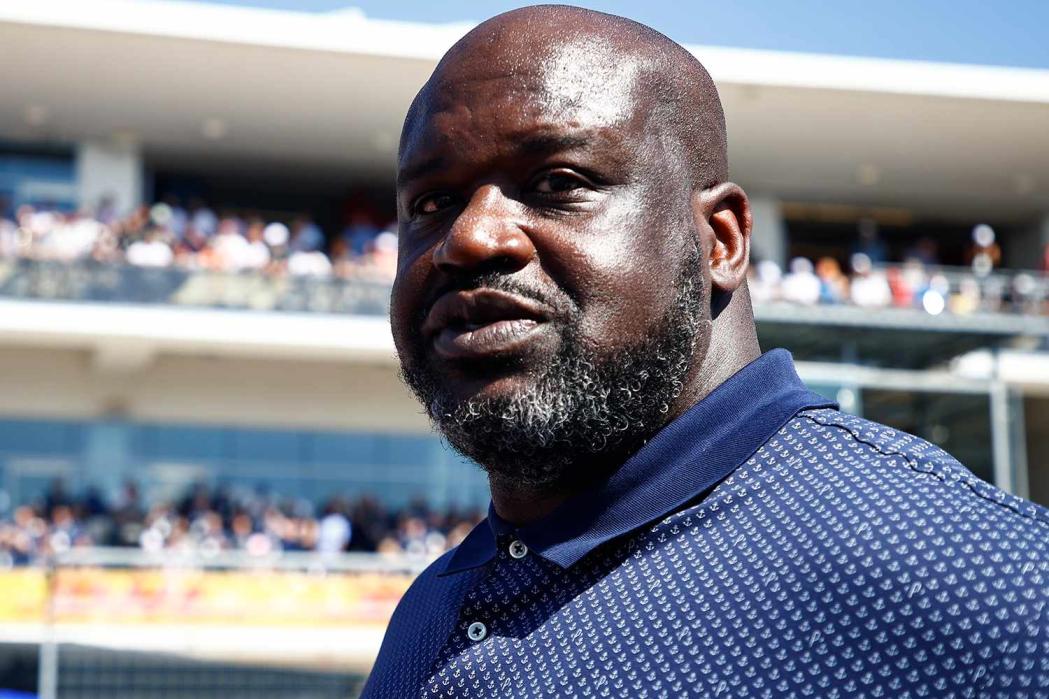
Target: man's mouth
(483, 323)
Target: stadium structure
(174, 376)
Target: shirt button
(477, 631)
(518, 549)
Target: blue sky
(1002, 32)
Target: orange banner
(265, 598)
(23, 595)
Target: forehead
(484, 98)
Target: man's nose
(486, 236)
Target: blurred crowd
(167, 234)
(918, 282)
(195, 237)
(207, 521)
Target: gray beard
(585, 414)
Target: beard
(585, 412)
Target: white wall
(68, 383)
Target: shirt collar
(683, 460)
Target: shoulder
(910, 467)
(420, 602)
(418, 629)
(924, 537)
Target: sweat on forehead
(579, 65)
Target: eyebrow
(532, 144)
(419, 170)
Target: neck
(522, 506)
(733, 345)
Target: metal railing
(1001, 292)
(237, 559)
(90, 281)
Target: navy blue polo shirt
(763, 544)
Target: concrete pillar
(105, 457)
(768, 241)
(107, 170)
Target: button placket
(518, 549)
(477, 632)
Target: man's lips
(482, 323)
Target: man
(673, 514)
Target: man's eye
(557, 182)
(432, 203)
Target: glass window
(167, 460)
(39, 180)
(174, 442)
(40, 437)
(345, 448)
(414, 450)
(265, 445)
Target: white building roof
(350, 31)
(200, 85)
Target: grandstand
(195, 256)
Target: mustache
(496, 281)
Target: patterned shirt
(761, 545)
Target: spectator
(801, 285)
(967, 298)
(128, 516)
(276, 237)
(257, 255)
(106, 212)
(384, 255)
(309, 264)
(834, 285)
(233, 252)
(207, 521)
(179, 217)
(192, 244)
(924, 250)
(1024, 294)
(56, 497)
(360, 233)
(870, 287)
(335, 529)
(934, 296)
(70, 237)
(870, 243)
(203, 218)
(152, 251)
(764, 280)
(305, 236)
(902, 294)
(984, 253)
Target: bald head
(592, 68)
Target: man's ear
(723, 220)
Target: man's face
(546, 251)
